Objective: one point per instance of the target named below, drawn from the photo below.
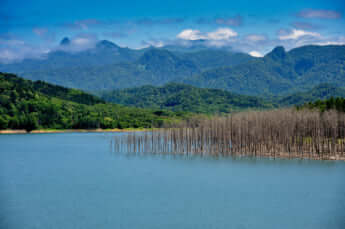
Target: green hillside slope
(181, 97)
(320, 92)
(34, 105)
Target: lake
(74, 180)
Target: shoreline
(44, 131)
(281, 156)
(322, 157)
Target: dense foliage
(328, 104)
(181, 97)
(33, 105)
(320, 92)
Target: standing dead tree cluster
(277, 133)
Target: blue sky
(32, 27)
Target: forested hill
(19, 84)
(279, 72)
(332, 103)
(320, 92)
(35, 105)
(181, 97)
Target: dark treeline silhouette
(287, 133)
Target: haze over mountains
(108, 66)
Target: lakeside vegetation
(284, 133)
(29, 105)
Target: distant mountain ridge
(279, 72)
(108, 66)
(104, 52)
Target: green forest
(29, 105)
(328, 104)
(182, 97)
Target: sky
(31, 28)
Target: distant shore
(42, 131)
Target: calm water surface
(55, 181)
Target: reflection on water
(76, 181)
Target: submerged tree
(274, 133)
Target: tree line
(324, 105)
(287, 133)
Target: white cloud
(154, 43)
(13, 50)
(81, 41)
(190, 34)
(158, 44)
(330, 43)
(255, 54)
(335, 41)
(296, 34)
(219, 34)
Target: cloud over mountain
(219, 34)
(296, 34)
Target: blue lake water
(55, 181)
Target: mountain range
(279, 72)
(108, 66)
